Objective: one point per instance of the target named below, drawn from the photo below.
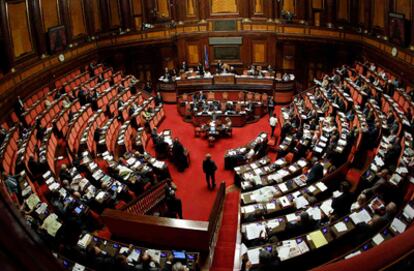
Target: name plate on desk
(224, 79)
(254, 81)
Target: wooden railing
(167, 233)
(216, 210)
(147, 201)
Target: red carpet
(225, 247)
(192, 188)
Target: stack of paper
(317, 238)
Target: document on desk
(51, 224)
(360, 217)
(315, 213)
(283, 187)
(398, 226)
(270, 206)
(284, 201)
(155, 255)
(408, 212)
(254, 230)
(321, 186)
(378, 239)
(84, 241)
(273, 223)
(248, 209)
(291, 217)
(301, 202)
(78, 267)
(326, 207)
(253, 255)
(243, 249)
(257, 180)
(302, 163)
(134, 256)
(32, 201)
(283, 252)
(341, 227)
(303, 247)
(317, 238)
(311, 188)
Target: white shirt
(273, 121)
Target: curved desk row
(282, 91)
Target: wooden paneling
(114, 11)
(136, 7)
(258, 7)
(18, 24)
(96, 12)
(193, 54)
(404, 7)
(50, 13)
(317, 4)
(190, 8)
(137, 13)
(361, 11)
(289, 5)
(77, 18)
(163, 8)
(219, 7)
(289, 57)
(378, 13)
(343, 10)
(259, 52)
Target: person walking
(209, 168)
(270, 106)
(273, 123)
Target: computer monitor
(179, 255)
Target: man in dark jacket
(315, 173)
(209, 168)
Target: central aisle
(192, 188)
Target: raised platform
(282, 91)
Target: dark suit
(316, 173)
(342, 204)
(209, 168)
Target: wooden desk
(282, 91)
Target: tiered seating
(269, 211)
(85, 187)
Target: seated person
(303, 225)
(267, 261)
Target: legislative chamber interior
(195, 135)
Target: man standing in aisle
(273, 123)
(209, 168)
